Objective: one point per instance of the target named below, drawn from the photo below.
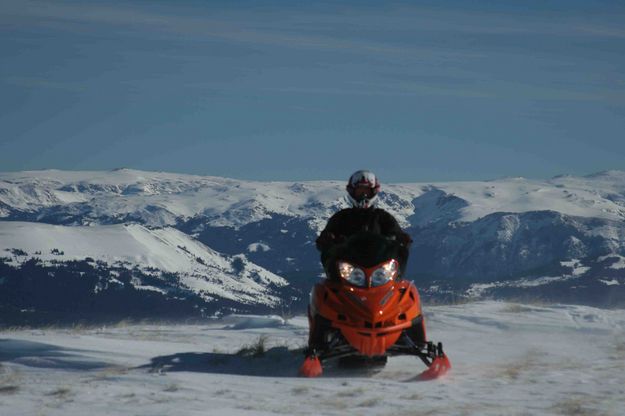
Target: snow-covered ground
(508, 359)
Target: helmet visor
(363, 192)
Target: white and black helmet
(362, 189)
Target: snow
(578, 268)
(507, 359)
(121, 192)
(254, 247)
(594, 197)
(165, 249)
(618, 264)
(161, 199)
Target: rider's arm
(330, 233)
(390, 226)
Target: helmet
(362, 189)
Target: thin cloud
(30, 82)
(236, 29)
(367, 36)
(462, 89)
(604, 32)
(234, 26)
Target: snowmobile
(364, 310)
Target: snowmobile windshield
(367, 249)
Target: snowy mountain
(556, 239)
(205, 271)
(156, 199)
(112, 268)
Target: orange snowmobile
(364, 312)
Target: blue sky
(416, 91)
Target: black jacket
(349, 221)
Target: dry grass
(424, 412)
(575, 406)
(9, 381)
(286, 314)
(370, 402)
(515, 308)
(172, 388)
(619, 349)
(351, 393)
(299, 390)
(413, 396)
(336, 404)
(535, 301)
(8, 389)
(513, 370)
(570, 364)
(71, 327)
(60, 392)
(82, 326)
(255, 350)
(110, 372)
(247, 407)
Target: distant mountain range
(196, 245)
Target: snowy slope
(202, 269)
(508, 359)
(597, 196)
(160, 198)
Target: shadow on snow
(275, 362)
(41, 355)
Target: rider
(362, 193)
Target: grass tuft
(619, 348)
(515, 308)
(9, 380)
(574, 407)
(369, 402)
(513, 370)
(351, 393)
(172, 388)
(9, 389)
(60, 392)
(255, 350)
(413, 396)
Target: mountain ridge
(465, 233)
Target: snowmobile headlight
(352, 274)
(384, 274)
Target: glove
(324, 240)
